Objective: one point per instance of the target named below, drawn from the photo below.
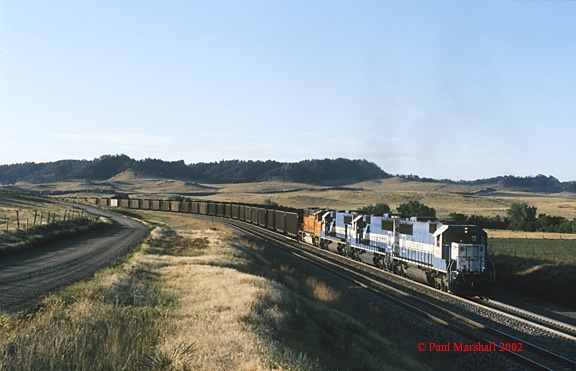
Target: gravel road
(27, 277)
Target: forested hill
(233, 171)
(337, 171)
(539, 183)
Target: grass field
(195, 297)
(543, 268)
(394, 191)
(557, 251)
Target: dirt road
(27, 277)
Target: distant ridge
(539, 183)
(336, 171)
(327, 171)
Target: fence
(19, 223)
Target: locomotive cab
(470, 270)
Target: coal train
(449, 257)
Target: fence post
(17, 221)
(35, 213)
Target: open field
(394, 191)
(195, 297)
(542, 268)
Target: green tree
(271, 204)
(377, 209)
(415, 208)
(178, 198)
(459, 218)
(522, 217)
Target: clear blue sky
(458, 89)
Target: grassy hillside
(196, 297)
(445, 198)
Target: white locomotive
(449, 257)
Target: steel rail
(549, 324)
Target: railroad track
(558, 327)
(481, 335)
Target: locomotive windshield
(470, 235)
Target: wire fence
(24, 220)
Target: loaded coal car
(194, 208)
(280, 221)
(292, 223)
(203, 208)
(145, 205)
(254, 213)
(174, 206)
(262, 217)
(247, 214)
(242, 212)
(212, 208)
(271, 219)
(185, 206)
(220, 209)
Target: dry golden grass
(394, 191)
(194, 297)
(495, 233)
(320, 291)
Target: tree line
(519, 217)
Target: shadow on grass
(537, 278)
